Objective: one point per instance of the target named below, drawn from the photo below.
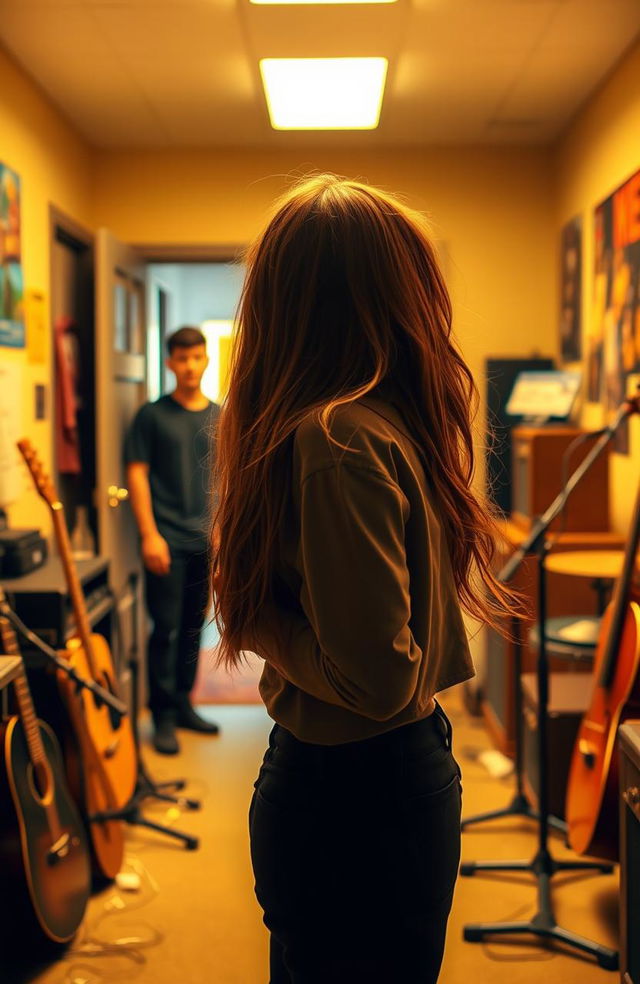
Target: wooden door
(120, 389)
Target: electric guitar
(592, 793)
(44, 857)
(106, 772)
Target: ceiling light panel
(324, 93)
(314, 2)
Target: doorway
(204, 295)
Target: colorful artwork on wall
(11, 287)
(571, 291)
(613, 350)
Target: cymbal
(587, 563)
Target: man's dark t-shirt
(178, 446)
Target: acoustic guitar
(105, 774)
(44, 856)
(592, 793)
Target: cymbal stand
(543, 865)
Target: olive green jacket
(369, 612)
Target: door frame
(186, 253)
(190, 252)
(63, 228)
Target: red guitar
(592, 794)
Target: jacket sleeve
(353, 647)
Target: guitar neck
(21, 688)
(73, 582)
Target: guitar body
(112, 737)
(107, 769)
(41, 893)
(592, 793)
(103, 775)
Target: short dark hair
(185, 337)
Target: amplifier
(42, 601)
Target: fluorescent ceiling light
(324, 93)
(318, 1)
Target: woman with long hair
(347, 541)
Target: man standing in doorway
(168, 451)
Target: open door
(120, 389)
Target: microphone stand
(102, 696)
(543, 865)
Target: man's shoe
(164, 736)
(192, 721)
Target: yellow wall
(598, 153)
(497, 212)
(491, 209)
(55, 165)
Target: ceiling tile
(184, 72)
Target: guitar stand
(519, 805)
(145, 787)
(543, 866)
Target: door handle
(116, 495)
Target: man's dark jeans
(176, 603)
(355, 852)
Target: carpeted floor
(215, 685)
(196, 921)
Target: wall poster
(571, 291)
(11, 289)
(614, 344)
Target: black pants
(176, 603)
(355, 851)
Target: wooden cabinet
(538, 476)
(629, 747)
(566, 595)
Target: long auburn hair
(343, 290)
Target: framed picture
(614, 344)
(571, 291)
(11, 287)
